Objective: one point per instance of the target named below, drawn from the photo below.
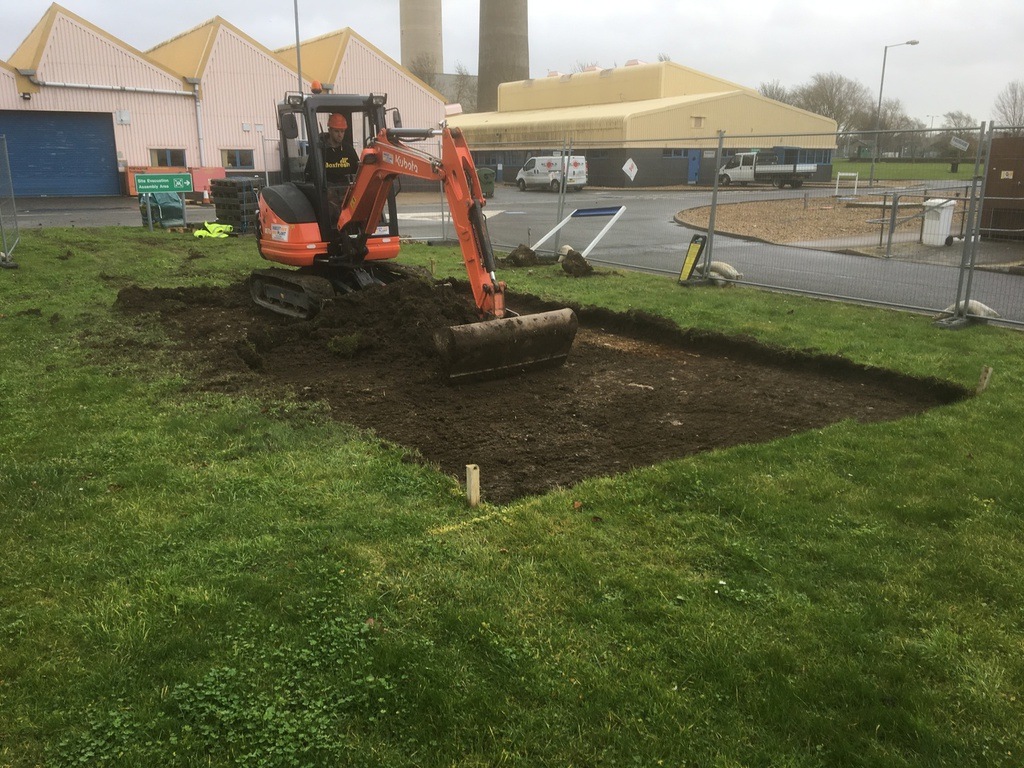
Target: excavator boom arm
(387, 158)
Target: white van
(545, 172)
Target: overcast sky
(969, 49)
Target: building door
(693, 173)
(61, 153)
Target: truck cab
(741, 160)
(738, 169)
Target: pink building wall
(80, 68)
(87, 71)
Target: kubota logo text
(402, 162)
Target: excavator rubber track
(289, 292)
(302, 294)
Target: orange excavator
(343, 237)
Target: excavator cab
(303, 125)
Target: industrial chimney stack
(422, 47)
(504, 44)
(504, 48)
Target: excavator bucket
(496, 348)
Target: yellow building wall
(739, 115)
(657, 123)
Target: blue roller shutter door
(61, 153)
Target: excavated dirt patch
(635, 391)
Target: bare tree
(425, 68)
(464, 90)
(583, 66)
(664, 57)
(846, 101)
(963, 125)
(959, 120)
(775, 91)
(893, 117)
(893, 121)
(1009, 108)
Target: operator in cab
(340, 158)
(340, 161)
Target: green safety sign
(163, 182)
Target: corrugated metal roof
(321, 56)
(651, 122)
(633, 82)
(617, 111)
(188, 52)
(640, 104)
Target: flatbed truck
(747, 167)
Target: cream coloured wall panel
(9, 96)
(77, 54)
(363, 70)
(241, 87)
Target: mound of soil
(575, 265)
(635, 390)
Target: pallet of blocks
(237, 202)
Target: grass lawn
(200, 579)
(889, 171)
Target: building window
(696, 121)
(236, 158)
(815, 156)
(167, 158)
(673, 153)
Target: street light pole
(298, 46)
(878, 111)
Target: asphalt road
(34, 212)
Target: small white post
(473, 484)
(986, 377)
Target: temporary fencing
(897, 219)
(9, 236)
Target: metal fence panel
(9, 236)
(896, 218)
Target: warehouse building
(662, 120)
(83, 111)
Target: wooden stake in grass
(986, 376)
(473, 484)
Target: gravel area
(791, 221)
